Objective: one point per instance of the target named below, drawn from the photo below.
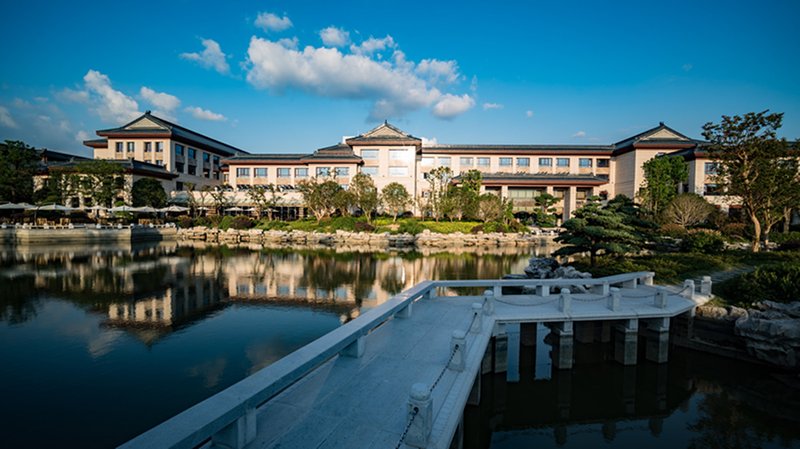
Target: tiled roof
(518, 149)
(128, 165)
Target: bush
(226, 222)
(410, 226)
(242, 222)
(273, 225)
(703, 242)
(673, 230)
(734, 231)
(782, 238)
(449, 227)
(363, 226)
(775, 282)
(790, 245)
(184, 221)
(342, 224)
(203, 221)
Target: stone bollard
(420, 416)
(660, 300)
(688, 289)
(458, 348)
(477, 314)
(239, 433)
(705, 286)
(565, 301)
(648, 280)
(543, 290)
(488, 306)
(613, 300)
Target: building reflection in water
(153, 290)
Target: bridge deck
(362, 402)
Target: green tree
(395, 199)
(748, 154)
(687, 209)
(317, 196)
(220, 200)
(18, 163)
(264, 198)
(598, 231)
(343, 201)
(365, 194)
(101, 180)
(490, 207)
(470, 192)
(438, 202)
(545, 210)
(662, 176)
(148, 192)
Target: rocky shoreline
(426, 239)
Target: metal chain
(444, 370)
(408, 426)
(526, 305)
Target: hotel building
(571, 173)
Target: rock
(772, 332)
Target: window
(159, 147)
(342, 171)
(545, 162)
(523, 162)
(216, 160)
(584, 162)
(148, 147)
(444, 161)
(427, 161)
(241, 172)
(505, 162)
(260, 172)
(372, 171)
(562, 162)
(119, 147)
(178, 149)
(602, 163)
(483, 162)
(301, 173)
(131, 146)
(604, 177)
(465, 162)
(193, 170)
(179, 167)
(192, 153)
(711, 190)
(206, 157)
(159, 162)
(398, 171)
(284, 172)
(323, 171)
(711, 168)
(178, 186)
(369, 154)
(397, 155)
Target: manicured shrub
(185, 221)
(363, 226)
(734, 231)
(203, 221)
(673, 230)
(242, 222)
(775, 282)
(410, 226)
(706, 242)
(342, 224)
(226, 222)
(780, 237)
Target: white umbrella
(234, 209)
(174, 208)
(51, 207)
(11, 206)
(202, 208)
(122, 209)
(96, 208)
(144, 210)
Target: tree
(395, 199)
(782, 181)
(687, 209)
(748, 154)
(343, 201)
(365, 194)
(545, 210)
(490, 207)
(148, 192)
(469, 193)
(101, 180)
(317, 196)
(220, 200)
(596, 230)
(662, 176)
(264, 198)
(18, 163)
(439, 180)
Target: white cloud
(75, 96)
(579, 134)
(687, 67)
(529, 113)
(438, 71)
(473, 85)
(205, 114)
(211, 57)
(6, 120)
(488, 106)
(372, 45)
(334, 37)
(393, 85)
(111, 105)
(164, 103)
(289, 43)
(82, 135)
(432, 142)
(270, 22)
(452, 105)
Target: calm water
(99, 344)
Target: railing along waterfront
(229, 417)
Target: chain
(526, 305)
(444, 370)
(408, 426)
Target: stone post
(565, 301)
(705, 286)
(488, 305)
(613, 300)
(513, 332)
(625, 344)
(660, 300)
(405, 312)
(563, 346)
(543, 290)
(239, 433)
(420, 415)
(458, 348)
(657, 346)
(688, 289)
(356, 348)
(477, 321)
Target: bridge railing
(228, 418)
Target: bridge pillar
(657, 346)
(406, 311)
(543, 290)
(625, 342)
(613, 300)
(688, 289)
(584, 331)
(563, 345)
(475, 393)
(705, 286)
(420, 416)
(500, 348)
(513, 332)
(356, 348)
(565, 301)
(488, 302)
(237, 434)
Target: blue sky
(294, 76)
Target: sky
(294, 76)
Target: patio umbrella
(11, 206)
(234, 209)
(51, 207)
(174, 208)
(96, 208)
(145, 210)
(122, 209)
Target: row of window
(509, 162)
(121, 147)
(340, 172)
(394, 155)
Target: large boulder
(772, 333)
